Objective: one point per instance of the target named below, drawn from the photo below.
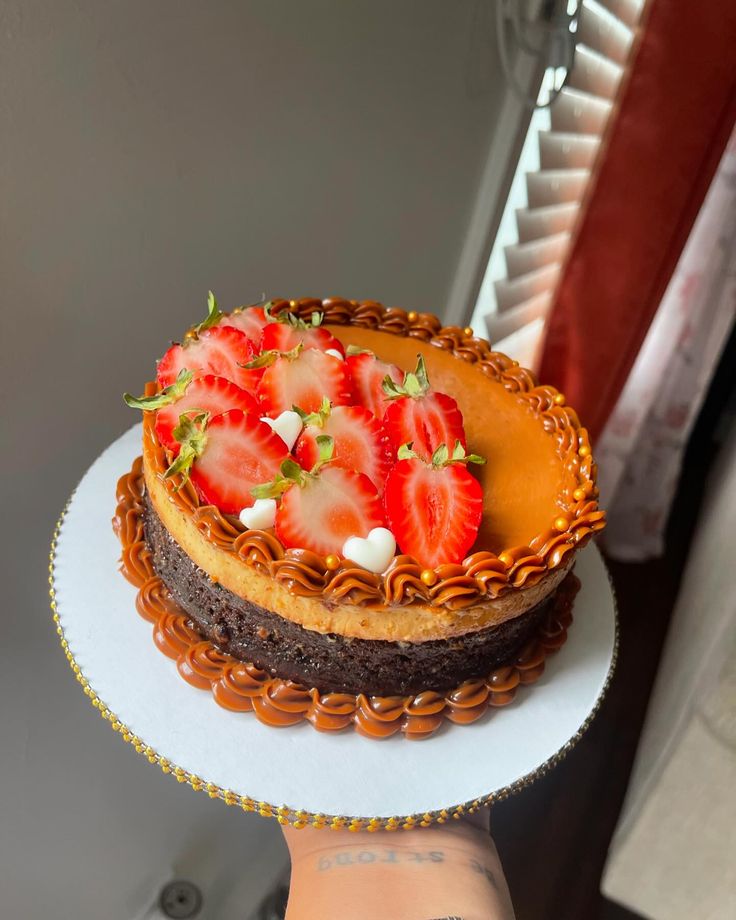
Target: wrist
(456, 835)
(441, 870)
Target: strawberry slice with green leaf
(286, 330)
(320, 508)
(367, 374)
(360, 442)
(210, 394)
(301, 377)
(249, 320)
(434, 508)
(214, 315)
(220, 350)
(418, 415)
(226, 456)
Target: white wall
(151, 150)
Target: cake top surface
(523, 509)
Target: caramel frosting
(540, 499)
(242, 687)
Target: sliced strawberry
(419, 416)
(220, 351)
(367, 374)
(249, 320)
(434, 509)
(227, 456)
(426, 423)
(286, 330)
(205, 394)
(360, 442)
(320, 511)
(282, 337)
(302, 377)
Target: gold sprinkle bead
(561, 523)
(584, 451)
(559, 400)
(428, 577)
(292, 303)
(332, 562)
(412, 316)
(468, 330)
(578, 495)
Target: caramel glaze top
(538, 483)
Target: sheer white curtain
(640, 451)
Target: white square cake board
(341, 774)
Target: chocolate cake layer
(326, 661)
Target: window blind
(515, 304)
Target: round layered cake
(406, 528)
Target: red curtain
(676, 112)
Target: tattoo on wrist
(483, 870)
(385, 856)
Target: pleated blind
(568, 138)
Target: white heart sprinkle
(260, 515)
(334, 352)
(373, 552)
(287, 426)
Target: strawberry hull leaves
(191, 436)
(214, 315)
(418, 414)
(164, 397)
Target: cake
(358, 502)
